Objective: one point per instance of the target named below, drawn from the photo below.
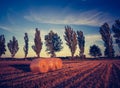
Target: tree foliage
(95, 51)
(2, 45)
(53, 43)
(71, 39)
(13, 46)
(81, 42)
(25, 48)
(116, 30)
(107, 38)
(38, 43)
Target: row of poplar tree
(54, 43)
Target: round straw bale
(51, 64)
(44, 65)
(58, 63)
(39, 65)
(34, 66)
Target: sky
(20, 16)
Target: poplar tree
(2, 45)
(107, 38)
(116, 30)
(81, 43)
(13, 46)
(71, 39)
(38, 43)
(25, 48)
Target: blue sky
(20, 16)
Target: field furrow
(74, 74)
(86, 79)
(52, 76)
(80, 72)
(114, 77)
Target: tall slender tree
(2, 45)
(25, 48)
(13, 46)
(107, 38)
(71, 39)
(38, 43)
(53, 43)
(116, 30)
(81, 43)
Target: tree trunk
(25, 55)
(12, 55)
(72, 55)
(53, 54)
(81, 55)
(38, 55)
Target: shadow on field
(24, 67)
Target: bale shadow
(23, 67)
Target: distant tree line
(54, 43)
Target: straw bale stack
(43, 65)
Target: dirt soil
(74, 74)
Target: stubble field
(74, 74)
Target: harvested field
(74, 74)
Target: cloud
(10, 19)
(90, 17)
(93, 38)
(5, 28)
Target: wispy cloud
(93, 38)
(90, 17)
(10, 19)
(5, 28)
